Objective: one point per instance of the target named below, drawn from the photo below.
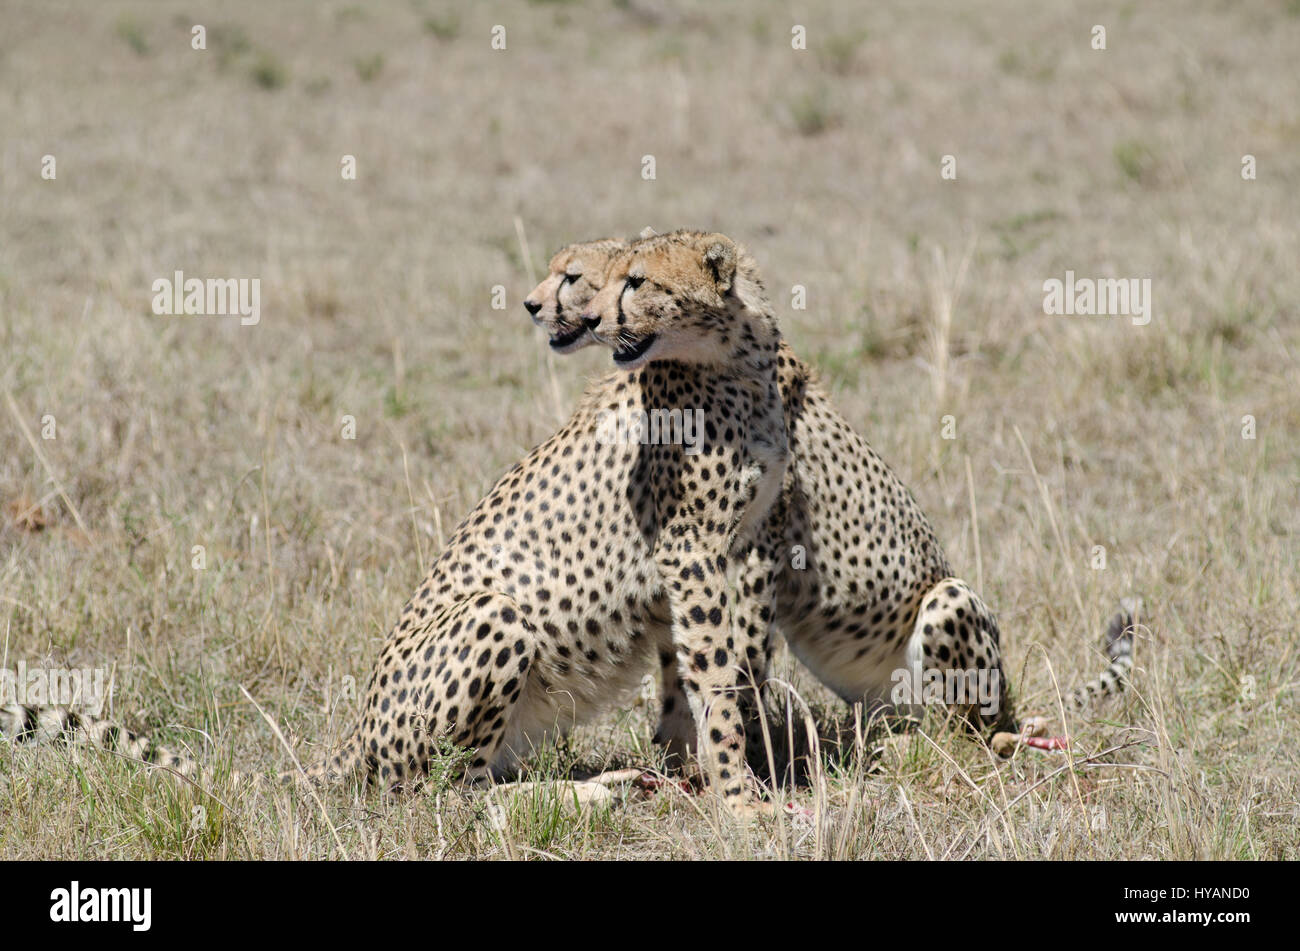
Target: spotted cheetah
(588, 560)
(865, 595)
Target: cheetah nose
(592, 321)
(532, 306)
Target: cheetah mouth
(636, 351)
(565, 339)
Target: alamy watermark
(214, 297)
(982, 688)
(1100, 297)
(78, 903)
(656, 427)
(82, 688)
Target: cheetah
(865, 596)
(557, 590)
(587, 561)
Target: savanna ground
(924, 300)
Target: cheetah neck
(753, 355)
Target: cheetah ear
(648, 232)
(720, 258)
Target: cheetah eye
(635, 281)
(570, 279)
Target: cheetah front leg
(718, 647)
(755, 590)
(676, 729)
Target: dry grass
(924, 300)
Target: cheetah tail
(1119, 648)
(39, 724)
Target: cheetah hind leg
(457, 680)
(955, 648)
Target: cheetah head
(689, 296)
(576, 273)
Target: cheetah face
(668, 297)
(575, 274)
